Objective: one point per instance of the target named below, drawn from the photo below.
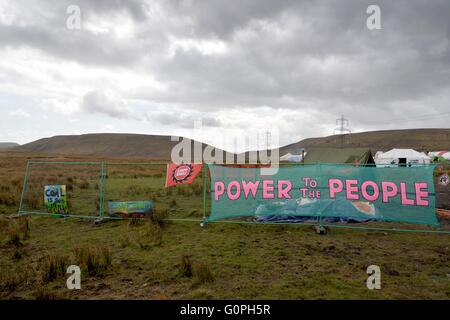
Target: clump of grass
(181, 191)
(150, 236)
(53, 267)
(17, 254)
(17, 230)
(124, 242)
(84, 185)
(7, 199)
(186, 266)
(34, 200)
(192, 212)
(95, 260)
(14, 237)
(135, 222)
(169, 191)
(159, 215)
(203, 273)
(24, 228)
(172, 202)
(9, 280)
(196, 188)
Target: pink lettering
(366, 195)
(230, 188)
(404, 196)
(219, 189)
(421, 195)
(389, 190)
(335, 186)
(268, 189)
(250, 187)
(351, 186)
(283, 192)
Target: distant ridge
(419, 139)
(156, 146)
(8, 145)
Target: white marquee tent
(289, 157)
(401, 157)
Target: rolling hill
(106, 145)
(159, 147)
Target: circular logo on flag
(182, 172)
(444, 180)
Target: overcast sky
(241, 67)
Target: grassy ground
(179, 260)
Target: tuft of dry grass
(24, 228)
(150, 236)
(53, 267)
(133, 222)
(173, 202)
(186, 266)
(9, 281)
(203, 273)
(159, 215)
(96, 260)
(16, 230)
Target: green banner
(401, 194)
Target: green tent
(339, 155)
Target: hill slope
(419, 139)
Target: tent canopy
(286, 156)
(405, 156)
(292, 157)
(339, 155)
(404, 153)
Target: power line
(342, 128)
(413, 119)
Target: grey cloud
(183, 120)
(296, 55)
(100, 102)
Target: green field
(158, 259)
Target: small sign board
(130, 209)
(55, 199)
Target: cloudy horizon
(156, 67)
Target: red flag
(182, 173)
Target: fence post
(24, 187)
(102, 190)
(320, 228)
(204, 192)
(320, 200)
